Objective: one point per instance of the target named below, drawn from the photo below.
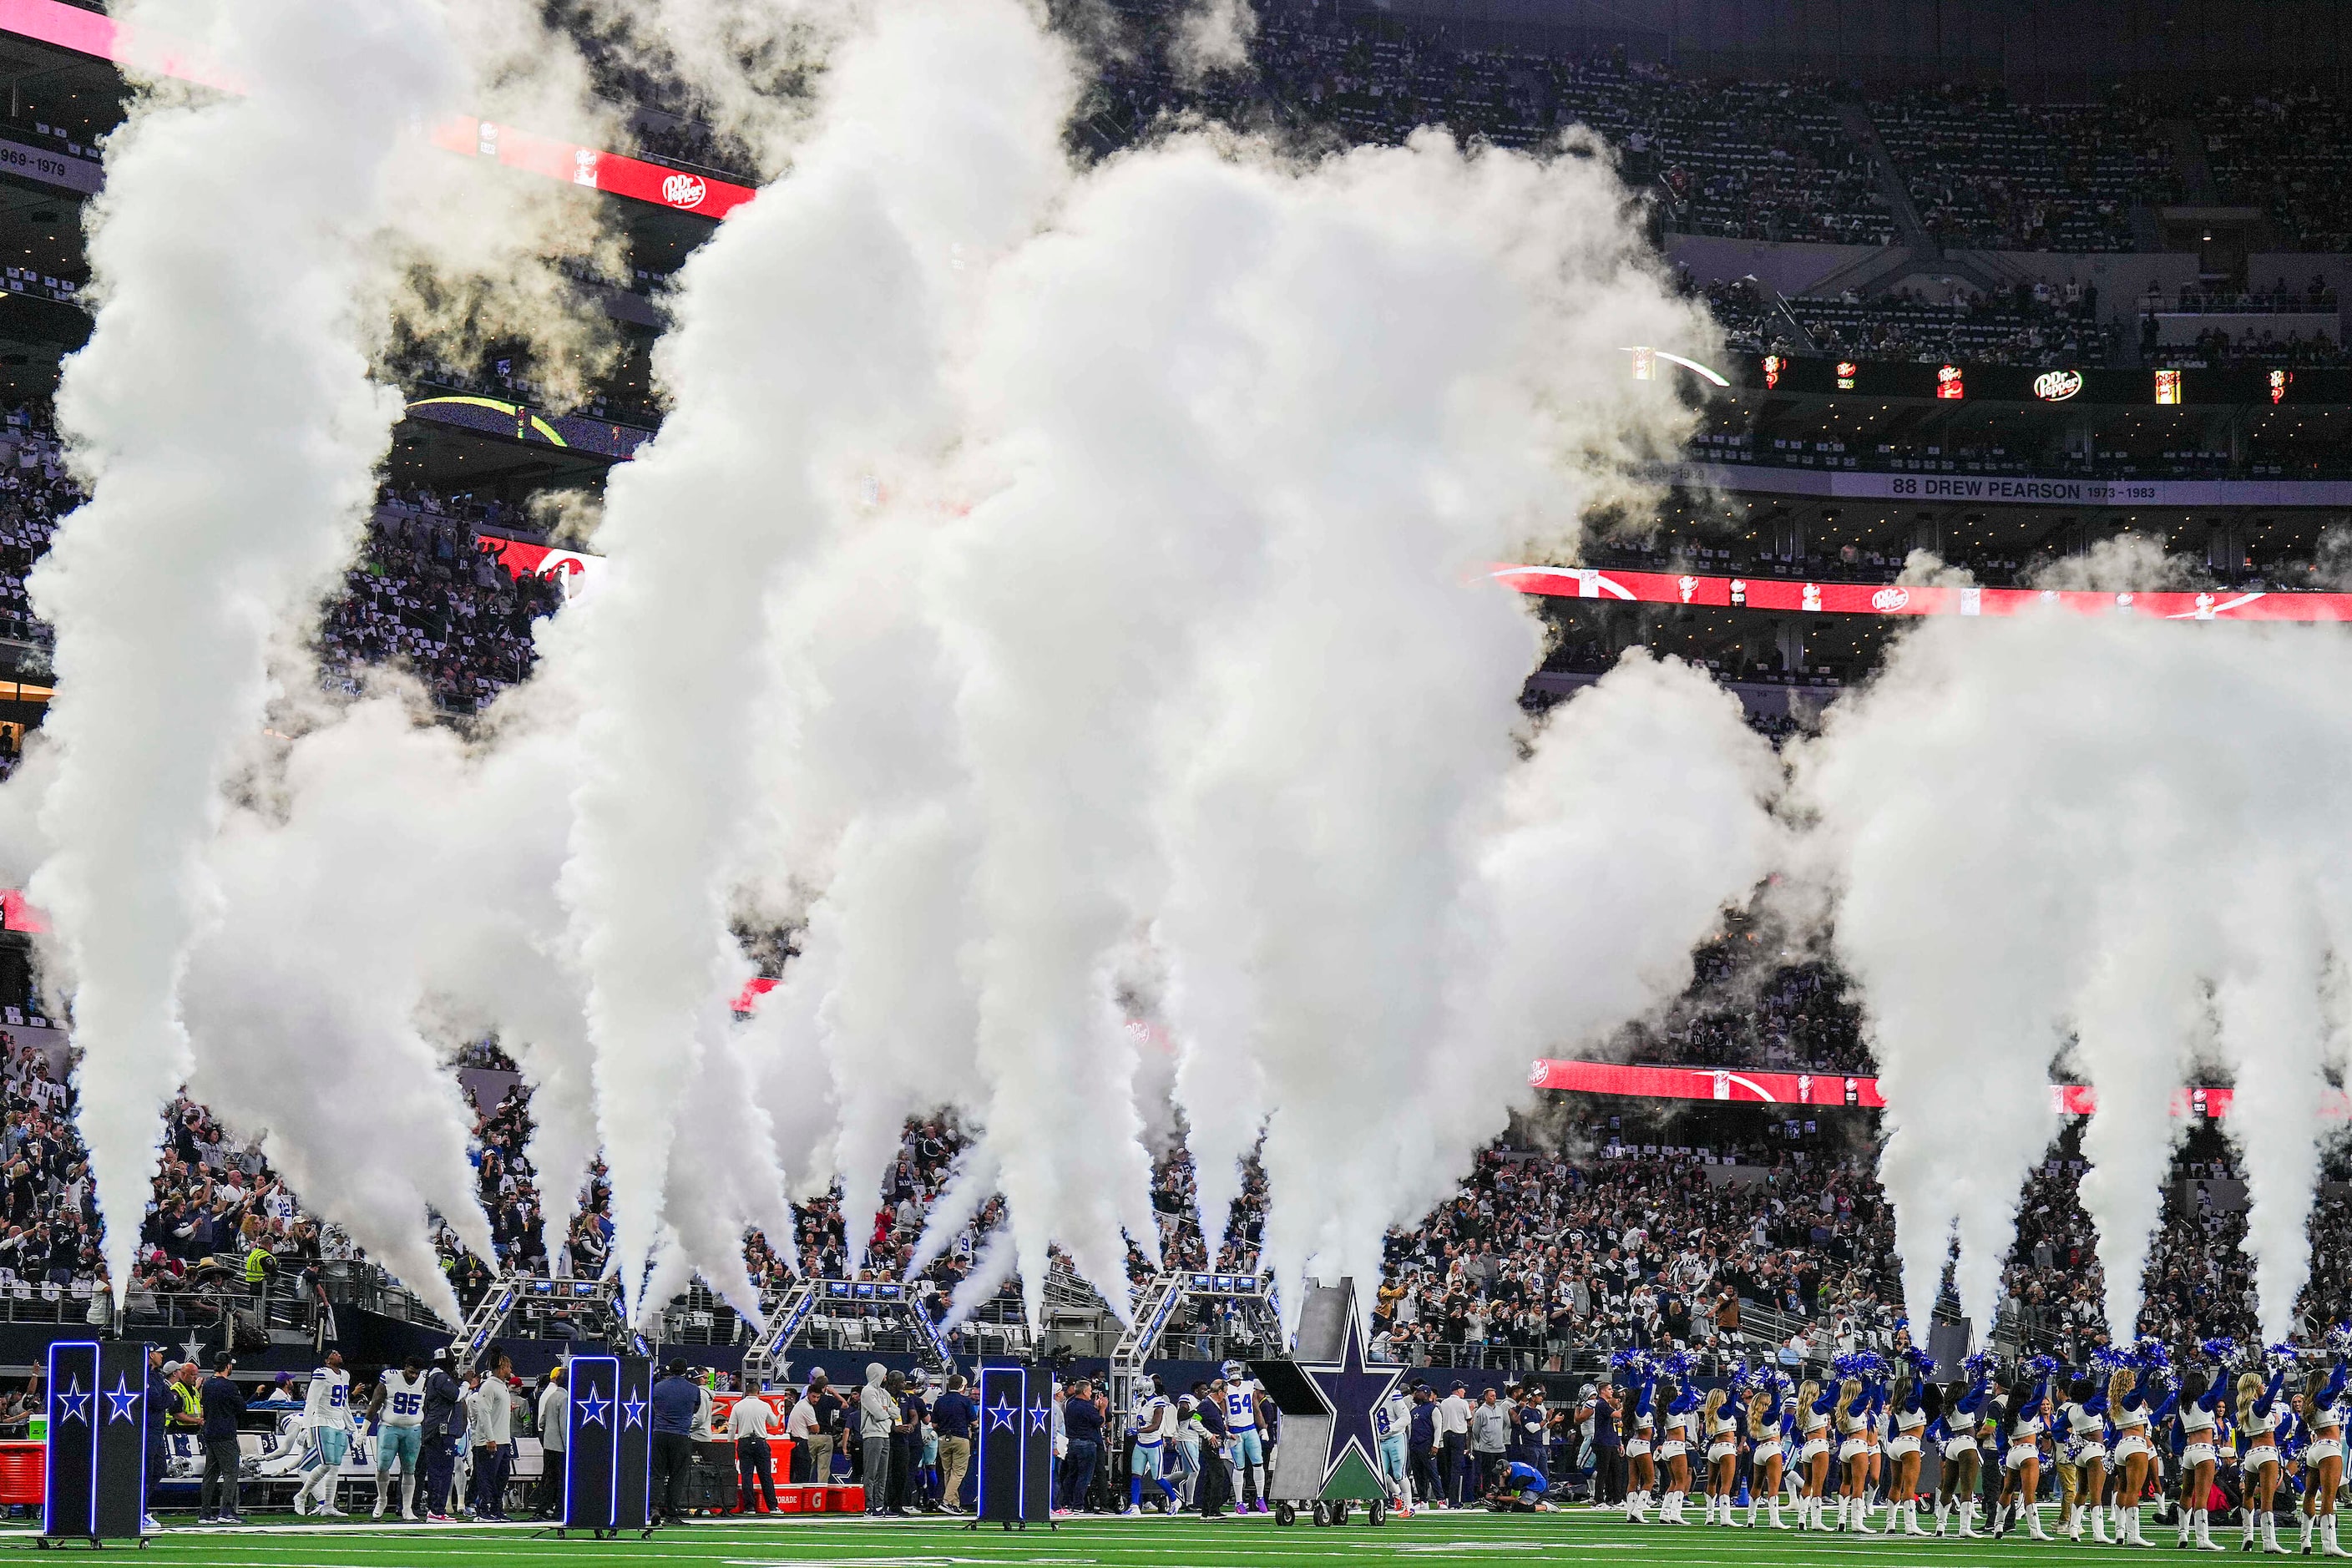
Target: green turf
(1572, 1537)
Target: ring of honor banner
(608, 1436)
(96, 1470)
(1016, 1445)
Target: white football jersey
(1241, 1405)
(329, 1402)
(1153, 1421)
(404, 1400)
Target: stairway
(767, 1351)
(489, 1316)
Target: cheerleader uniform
(2082, 1427)
(1853, 1432)
(1637, 1444)
(1954, 1438)
(1769, 1437)
(1722, 1443)
(1813, 1431)
(2259, 1433)
(2193, 1426)
(2024, 1443)
(1681, 1422)
(2131, 1440)
(2328, 1417)
(1909, 1425)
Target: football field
(1574, 1538)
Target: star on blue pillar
(73, 1404)
(122, 1400)
(1002, 1414)
(1353, 1391)
(633, 1413)
(592, 1411)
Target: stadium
(1114, 781)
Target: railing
(2219, 302)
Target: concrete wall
(2172, 327)
(1791, 268)
(2122, 279)
(2057, 49)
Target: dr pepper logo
(684, 191)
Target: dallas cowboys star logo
(1353, 1391)
(633, 1413)
(73, 1404)
(1039, 1417)
(1002, 1413)
(592, 1411)
(124, 1402)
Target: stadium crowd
(424, 593)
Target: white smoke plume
(223, 418)
(1641, 813)
(990, 1270)
(1214, 35)
(1314, 522)
(1183, 477)
(2035, 832)
(870, 805)
(1174, 387)
(304, 1004)
(806, 342)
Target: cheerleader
(1906, 1424)
(2323, 1459)
(1767, 1431)
(2195, 1409)
(1715, 1419)
(1956, 1433)
(1642, 1472)
(1853, 1413)
(1814, 1451)
(2131, 1455)
(2082, 1428)
(2020, 1461)
(1673, 1451)
(2258, 1467)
